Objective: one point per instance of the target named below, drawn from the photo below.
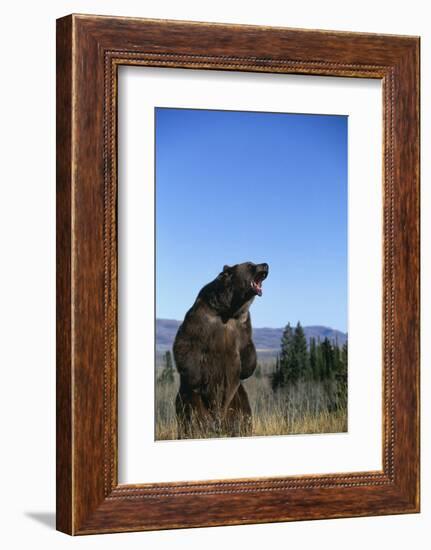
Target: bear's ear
(225, 274)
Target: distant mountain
(267, 340)
(166, 329)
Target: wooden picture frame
(89, 51)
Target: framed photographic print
(237, 274)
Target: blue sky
(263, 187)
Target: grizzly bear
(214, 352)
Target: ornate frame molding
(90, 49)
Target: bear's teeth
(257, 287)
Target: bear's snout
(263, 267)
(260, 274)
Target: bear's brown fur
(214, 351)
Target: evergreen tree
(341, 378)
(300, 354)
(344, 355)
(319, 361)
(167, 375)
(313, 359)
(288, 369)
(286, 344)
(337, 358)
(343, 365)
(293, 362)
(327, 358)
(322, 361)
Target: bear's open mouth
(256, 283)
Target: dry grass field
(306, 408)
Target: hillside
(267, 340)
